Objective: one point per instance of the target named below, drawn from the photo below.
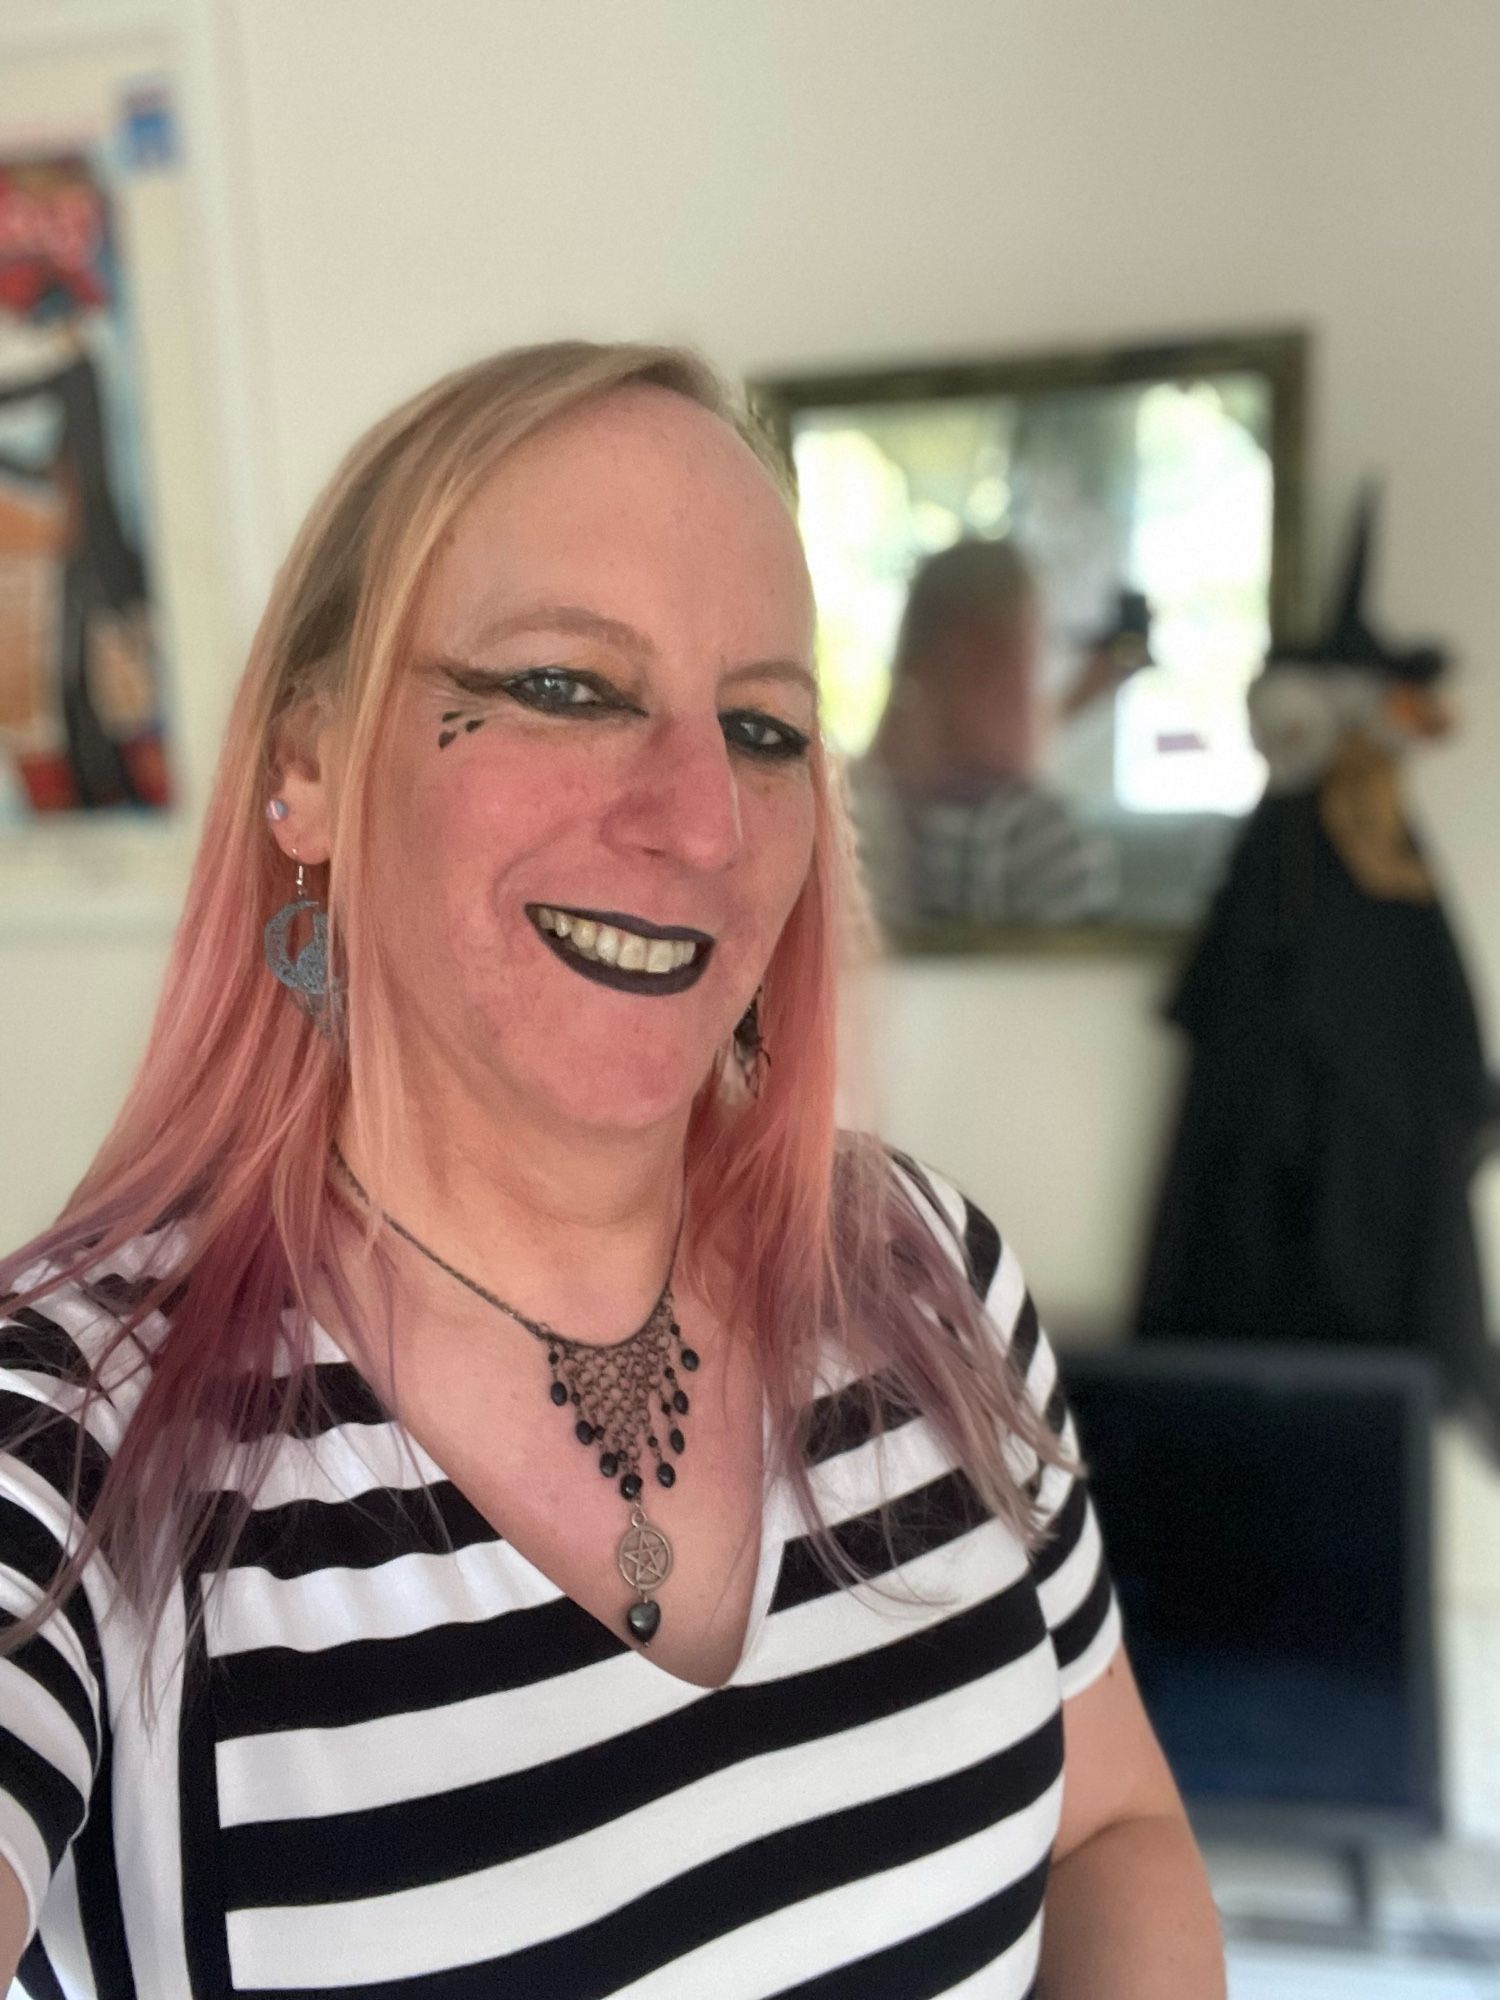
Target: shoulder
(882, 832)
(965, 1234)
(973, 1242)
(78, 1338)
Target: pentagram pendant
(645, 1559)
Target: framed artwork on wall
(82, 723)
(116, 644)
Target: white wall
(792, 184)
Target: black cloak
(1336, 1105)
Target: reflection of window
(1165, 488)
(856, 523)
(1201, 551)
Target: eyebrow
(581, 623)
(572, 618)
(774, 670)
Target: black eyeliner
(482, 683)
(478, 681)
(793, 742)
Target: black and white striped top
(391, 1768)
(1015, 853)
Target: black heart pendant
(644, 1619)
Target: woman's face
(991, 690)
(597, 808)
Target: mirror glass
(1044, 587)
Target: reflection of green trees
(1181, 469)
(881, 488)
(854, 681)
(1245, 400)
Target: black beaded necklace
(610, 1391)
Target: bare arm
(15, 1924)
(1129, 1914)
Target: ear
(308, 760)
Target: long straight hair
(227, 1131)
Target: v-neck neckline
(774, 1523)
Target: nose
(680, 800)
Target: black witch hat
(1349, 640)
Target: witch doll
(1337, 1100)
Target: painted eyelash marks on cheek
(453, 716)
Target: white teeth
(609, 946)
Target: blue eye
(762, 735)
(553, 690)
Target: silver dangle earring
(306, 976)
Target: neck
(575, 1228)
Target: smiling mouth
(627, 953)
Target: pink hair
(227, 1129)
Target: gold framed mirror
(1044, 584)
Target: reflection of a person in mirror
(955, 820)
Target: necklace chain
(539, 1329)
(609, 1389)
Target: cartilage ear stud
(277, 809)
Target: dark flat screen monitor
(1267, 1513)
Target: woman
(704, 1622)
(955, 816)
